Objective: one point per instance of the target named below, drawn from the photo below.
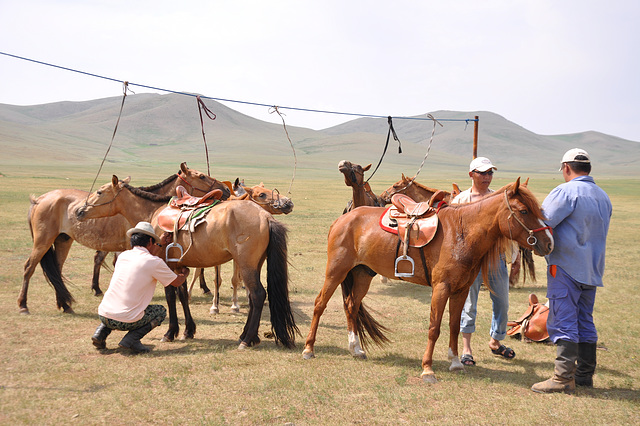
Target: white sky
(551, 66)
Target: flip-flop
(504, 352)
(467, 360)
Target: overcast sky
(550, 66)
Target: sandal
(467, 360)
(504, 352)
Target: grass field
(51, 374)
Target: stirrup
(404, 258)
(173, 259)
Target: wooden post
(475, 137)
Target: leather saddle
(419, 218)
(184, 207)
(532, 326)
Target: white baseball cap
(481, 164)
(570, 156)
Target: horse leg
(439, 299)
(236, 280)
(334, 275)
(98, 259)
(215, 307)
(456, 304)
(195, 276)
(352, 303)
(174, 327)
(37, 252)
(257, 296)
(203, 284)
(189, 324)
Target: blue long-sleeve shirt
(579, 212)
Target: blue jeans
(499, 282)
(570, 309)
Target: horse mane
(159, 185)
(426, 188)
(148, 195)
(503, 244)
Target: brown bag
(532, 326)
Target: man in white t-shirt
(481, 174)
(125, 305)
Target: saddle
(532, 326)
(185, 211)
(415, 223)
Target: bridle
(396, 191)
(365, 187)
(193, 188)
(531, 239)
(275, 196)
(86, 201)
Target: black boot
(131, 340)
(586, 364)
(99, 338)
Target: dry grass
(51, 374)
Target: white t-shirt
(133, 284)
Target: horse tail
(283, 324)
(368, 328)
(53, 273)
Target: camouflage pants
(153, 312)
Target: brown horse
(415, 190)
(468, 237)
(54, 228)
(268, 199)
(362, 193)
(235, 230)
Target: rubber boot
(99, 338)
(563, 379)
(131, 340)
(586, 364)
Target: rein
(531, 239)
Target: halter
(86, 201)
(386, 192)
(193, 188)
(276, 203)
(369, 192)
(531, 239)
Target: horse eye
(201, 177)
(523, 212)
(263, 195)
(99, 192)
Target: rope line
(467, 120)
(295, 158)
(212, 116)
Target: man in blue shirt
(579, 213)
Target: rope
(386, 145)
(466, 120)
(212, 116)
(295, 159)
(429, 147)
(125, 87)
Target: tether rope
(295, 159)
(125, 87)
(386, 145)
(212, 116)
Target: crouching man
(125, 305)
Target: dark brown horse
(237, 230)
(54, 228)
(468, 237)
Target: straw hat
(143, 228)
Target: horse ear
(126, 180)
(261, 185)
(403, 178)
(184, 167)
(526, 183)
(516, 185)
(364, 169)
(236, 183)
(114, 180)
(456, 190)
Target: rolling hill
(161, 128)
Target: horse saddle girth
(185, 210)
(420, 219)
(532, 325)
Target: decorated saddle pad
(186, 218)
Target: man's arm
(181, 278)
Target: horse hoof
(98, 294)
(24, 311)
(429, 378)
(243, 346)
(214, 311)
(307, 354)
(360, 355)
(235, 310)
(456, 366)
(166, 339)
(69, 311)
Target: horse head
(268, 199)
(198, 183)
(525, 220)
(102, 202)
(353, 173)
